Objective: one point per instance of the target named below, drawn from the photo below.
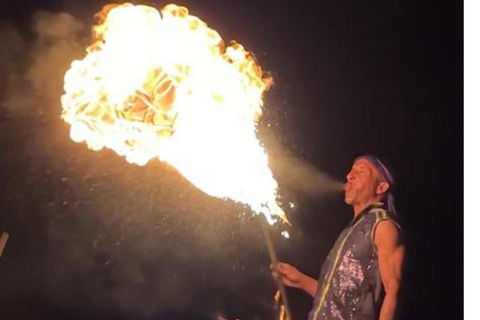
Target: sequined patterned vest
(349, 285)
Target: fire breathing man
(360, 277)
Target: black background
(95, 238)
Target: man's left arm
(390, 250)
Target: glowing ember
(164, 85)
(285, 234)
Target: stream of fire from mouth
(164, 85)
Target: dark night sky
(95, 238)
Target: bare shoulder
(387, 234)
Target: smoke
(12, 49)
(294, 174)
(57, 44)
(34, 69)
(301, 177)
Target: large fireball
(164, 85)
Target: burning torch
(281, 295)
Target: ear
(382, 187)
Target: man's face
(362, 181)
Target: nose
(350, 176)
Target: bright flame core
(164, 85)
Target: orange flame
(164, 85)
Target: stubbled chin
(348, 198)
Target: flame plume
(164, 85)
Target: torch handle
(3, 241)
(274, 260)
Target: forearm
(389, 306)
(309, 285)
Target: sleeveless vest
(349, 285)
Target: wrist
(303, 282)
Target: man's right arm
(309, 285)
(296, 279)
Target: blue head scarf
(384, 173)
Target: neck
(359, 207)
